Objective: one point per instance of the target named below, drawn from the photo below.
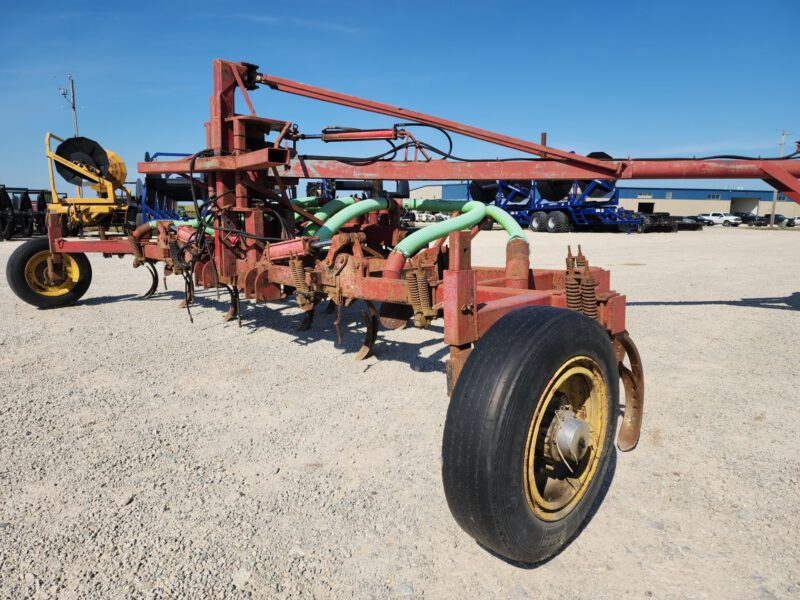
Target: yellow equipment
(80, 160)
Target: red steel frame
(470, 298)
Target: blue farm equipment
(560, 206)
(159, 195)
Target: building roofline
(623, 187)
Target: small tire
(538, 221)
(557, 222)
(24, 273)
(490, 421)
(726, 223)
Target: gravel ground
(134, 464)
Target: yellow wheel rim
(37, 279)
(554, 483)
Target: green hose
(307, 202)
(194, 223)
(472, 213)
(327, 210)
(446, 206)
(348, 213)
(443, 206)
(506, 221)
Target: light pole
(784, 133)
(69, 95)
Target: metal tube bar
(317, 93)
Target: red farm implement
(536, 355)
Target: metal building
(676, 201)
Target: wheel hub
(566, 438)
(570, 437)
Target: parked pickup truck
(719, 218)
(780, 221)
(746, 217)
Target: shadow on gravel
(276, 316)
(790, 302)
(105, 300)
(606, 484)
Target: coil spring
(413, 290)
(423, 290)
(580, 260)
(574, 296)
(298, 274)
(588, 294)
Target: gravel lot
(134, 464)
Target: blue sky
(630, 78)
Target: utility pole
(69, 95)
(784, 133)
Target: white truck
(720, 218)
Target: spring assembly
(298, 274)
(413, 291)
(572, 284)
(574, 295)
(424, 291)
(302, 292)
(588, 294)
(580, 260)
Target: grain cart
(536, 355)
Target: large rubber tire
(26, 208)
(485, 435)
(726, 223)
(538, 221)
(18, 282)
(7, 220)
(557, 222)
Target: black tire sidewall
(541, 225)
(15, 275)
(560, 222)
(491, 453)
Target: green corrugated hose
(472, 213)
(356, 209)
(327, 210)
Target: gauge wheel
(538, 221)
(528, 437)
(557, 222)
(28, 278)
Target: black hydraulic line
(444, 132)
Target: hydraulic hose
(472, 213)
(507, 222)
(307, 202)
(443, 206)
(348, 213)
(327, 210)
(497, 214)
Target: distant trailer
(561, 206)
